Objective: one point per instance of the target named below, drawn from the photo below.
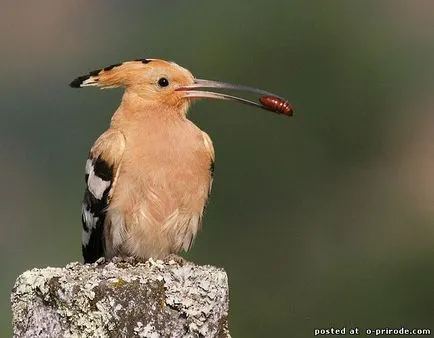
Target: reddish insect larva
(276, 105)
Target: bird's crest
(112, 76)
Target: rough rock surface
(118, 299)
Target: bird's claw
(175, 259)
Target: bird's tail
(117, 75)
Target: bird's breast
(162, 189)
(171, 163)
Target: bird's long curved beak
(279, 104)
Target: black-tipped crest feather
(78, 82)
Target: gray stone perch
(118, 299)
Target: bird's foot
(127, 260)
(175, 259)
(132, 260)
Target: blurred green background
(322, 220)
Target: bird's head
(166, 83)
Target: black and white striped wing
(99, 180)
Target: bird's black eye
(163, 82)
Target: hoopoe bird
(149, 175)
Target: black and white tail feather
(99, 180)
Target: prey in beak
(267, 100)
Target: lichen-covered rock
(117, 299)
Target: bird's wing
(102, 169)
(210, 149)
